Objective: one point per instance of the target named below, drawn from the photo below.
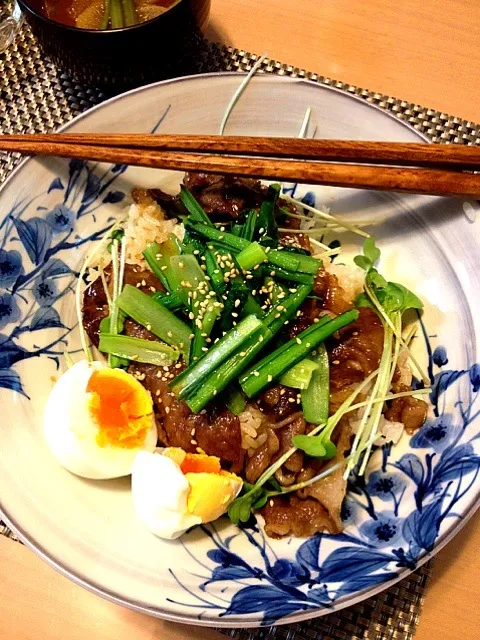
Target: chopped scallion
(138, 350)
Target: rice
(350, 278)
(252, 425)
(145, 224)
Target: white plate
(410, 504)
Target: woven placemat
(37, 97)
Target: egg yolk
(193, 462)
(121, 408)
(211, 488)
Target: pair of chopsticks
(386, 166)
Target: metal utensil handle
(10, 27)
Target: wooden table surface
(424, 51)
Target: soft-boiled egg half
(97, 419)
(173, 490)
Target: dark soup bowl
(120, 59)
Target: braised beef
(296, 517)
(278, 402)
(356, 353)
(333, 297)
(95, 307)
(217, 434)
(412, 412)
(224, 197)
(295, 428)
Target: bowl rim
(25, 6)
(157, 611)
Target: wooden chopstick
(389, 153)
(428, 181)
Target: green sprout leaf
(411, 301)
(362, 262)
(330, 449)
(371, 251)
(241, 508)
(312, 446)
(374, 279)
(362, 300)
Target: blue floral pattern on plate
(31, 287)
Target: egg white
(70, 431)
(160, 491)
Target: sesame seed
(291, 400)
(256, 373)
(138, 285)
(336, 362)
(191, 315)
(272, 273)
(282, 392)
(271, 503)
(298, 340)
(191, 336)
(235, 315)
(149, 326)
(192, 432)
(144, 283)
(261, 230)
(169, 334)
(204, 348)
(167, 410)
(193, 442)
(181, 265)
(178, 365)
(196, 252)
(269, 378)
(164, 268)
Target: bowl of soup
(119, 44)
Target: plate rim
(157, 611)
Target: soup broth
(102, 14)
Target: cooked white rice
(145, 224)
(252, 426)
(350, 278)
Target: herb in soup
(102, 14)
